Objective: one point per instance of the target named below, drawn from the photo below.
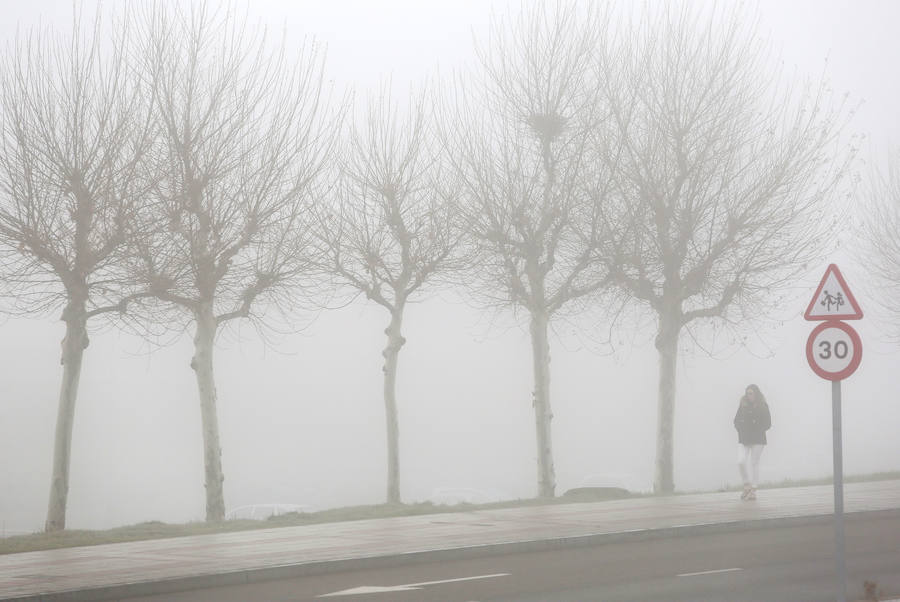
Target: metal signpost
(834, 351)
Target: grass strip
(159, 530)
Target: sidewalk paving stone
(128, 569)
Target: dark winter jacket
(752, 421)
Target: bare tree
(520, 142)
(725, 177)
(244, 136)
(393, 231)
(73, 134)
(879, 246)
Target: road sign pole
(834, 351)
(840, 564)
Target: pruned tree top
(245, 135)
(74, 134)
(727, 172)
(518, 131)
(878, 244)
(392, 228)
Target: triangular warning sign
(833, 299)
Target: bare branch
(520, 139)
(879, 249)
(245, 137)
(724, 168)
(74, 133)
(393, 227)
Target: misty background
(302, 418)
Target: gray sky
(304, 423)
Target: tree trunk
(202, 364)
(73, 346)
(541, 399)
(667, 345)
(391, 352)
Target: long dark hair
(757, 394)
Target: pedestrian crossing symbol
(833, 299)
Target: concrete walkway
(162, 565)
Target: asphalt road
(788, 563)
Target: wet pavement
(135, 568)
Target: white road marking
(378, 589)
(709, 572)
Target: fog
(302, 416)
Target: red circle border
(857, 350)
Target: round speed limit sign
(833, 350)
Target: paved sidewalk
(157, 566)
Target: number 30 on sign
(834, 350)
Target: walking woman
(751, 421)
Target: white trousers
(748, 463)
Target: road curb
(273, 573)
